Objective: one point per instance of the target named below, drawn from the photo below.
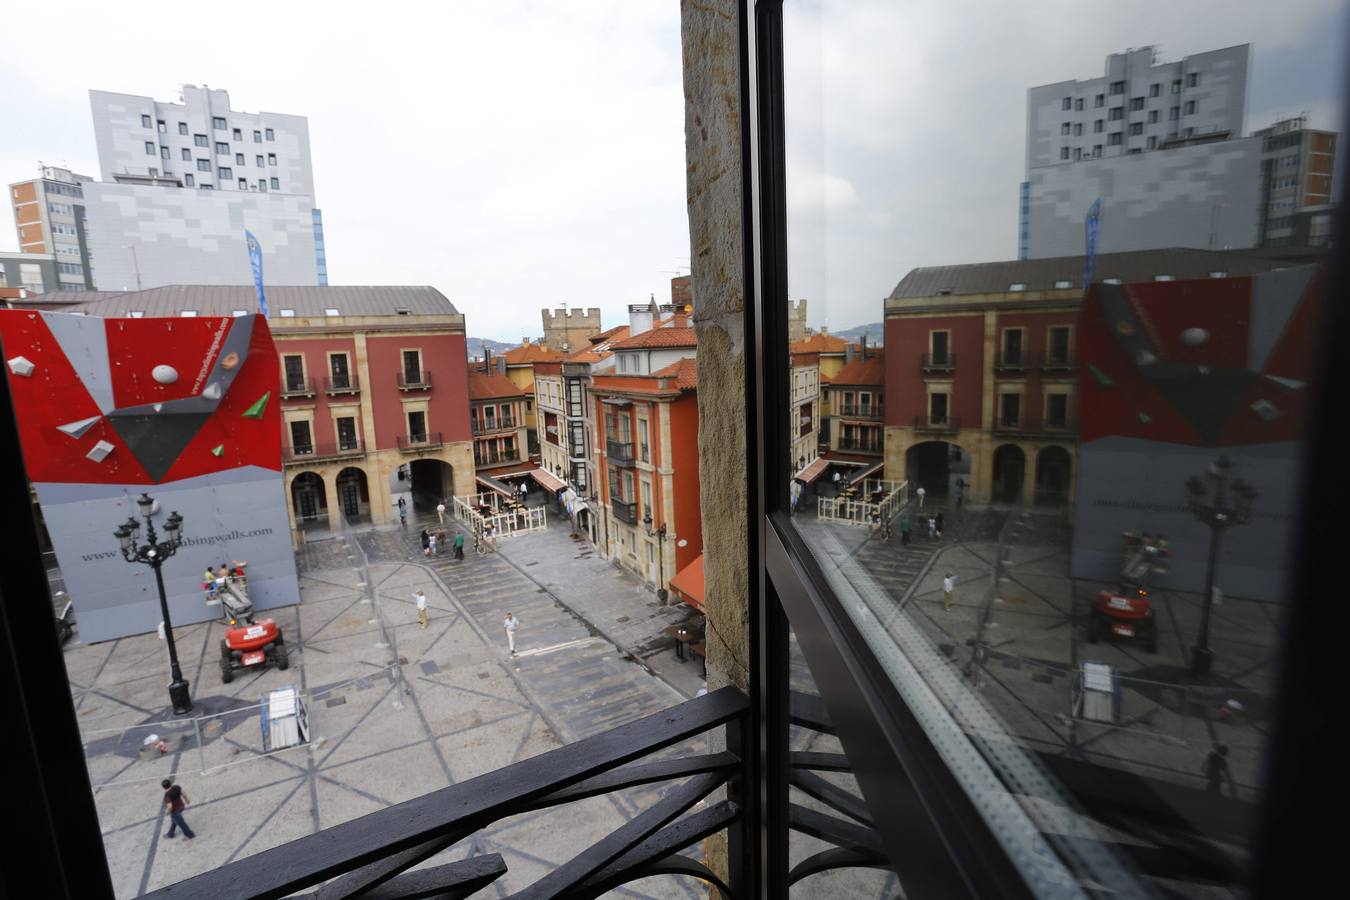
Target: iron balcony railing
(804, 429)
(308, 453)
(484, 427)
(620, 452)
(371, 855)
(425, 441)
(944, 424)
(1006, 361)
(1029, 425)
(333, 386)
(414, 381)
(297, 387)
(862, 410)
(624, 512)
(862, 446)
(495, 459)
(1058, 362)
(937, 362)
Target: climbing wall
(184, 409)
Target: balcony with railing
(1058, 363)
(496, 458)
(937, 362)
(619, 452)
(414, 381)
(804, 428)
(369, 856)
(413, 442)
(486, 426)
(624, 512)
(862, 444)
(1027, 425)
(335, 386)
(317, 451)
(862, 410)
(1011, 362)
(937, 424)
(294, 386)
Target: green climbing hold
(218, 450)
(256, 410)
(1102, 378)
(1145, 418)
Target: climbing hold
(256, 410)
(1101, 377)
(218, 450)
(21, 366)
(77, 429)
(164, 374)
(100, 451)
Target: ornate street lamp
(152, 552)
(1212, 505)
(660, 535)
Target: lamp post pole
(660, 534)
(1213, 507)
(153, 553)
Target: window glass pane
(1023, 532)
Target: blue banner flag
(255, 260)
(1092, 226)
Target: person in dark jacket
(426, 542)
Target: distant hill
(474, 347)
(875, 332)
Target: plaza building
(363, 419)
(520, 368)
(497, 415)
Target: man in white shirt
(421, 599)
(510, 623)
(948, 585)
(920, 494)
(440, 512)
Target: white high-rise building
(182, 181)
(1161, 144)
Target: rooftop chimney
(501, 365)
(848, 353)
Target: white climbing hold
(78, 429)
(1195, 337)
(1144, 358)
(159, 407)
(212, 391)
(100, 451)
(21, 365)
(164, 374)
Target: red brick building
(497, 414)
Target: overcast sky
(517, 155)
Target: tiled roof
(491, 385)
(819, 343)
(587, 356)
(685, 373)
(617, 333)
(1043, 274)
(665, 336)
(305, 300)
(864, 371)
(531, 353)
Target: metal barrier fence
(503, 520)
(861, 511)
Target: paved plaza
(396, 711)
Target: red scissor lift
(1129, 613)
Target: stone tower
(797, 321)
(570, 330)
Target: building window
(1117, 87)
(161, 127)
(346, 433)
(1068, 103)
(163, 152)
(1100, 101)
(271, 159)
(257, 137)
(238, 135)
(1096, 150)
(1078, 105)
(200, 140)
(225, 173)
(1176, 86)
(1164, 278)
(207, 187)
(1117, 113)
(643, 446)
(412, 366)
(262, 186)
(188, 180)
(1063, 284)
(203, 165)
(276, 184)
(1063, 152)
(1057, 344)
(1136, 104)
(145, 121)
(1218, 274)
(1097, 126)
(222, 148)
(1078, 129)
(1056, 410)
(302, 441)
(260, 160)
(937, 408)
(243, 184)
(1010, 410)
(1155, 90)
(939, 347)
(271, 136)
(1064, 128)
(186, 154)
(149, 148)
(287, 313)
(1012, 344)
(1114, 139)
(182, 128)
(1136, 128)
(1193, 79)
(1152, 142)
(188, 314)
(293, 365)
(1153, 117)
(239, 159)
(1190, 107)
(1077, 153)
(218, 123)
(1174, 113)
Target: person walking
(836, 482)
(174, 802)
(425, 538)
(932, 527)
(421, 600)
(440, 512)
(459, 545)
(524, 492)
(440, 541)
(431, 544)
(939, 524)
(948, 586)
(920, 493)
(1217, 771)
(510, 623)
(904, 531)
